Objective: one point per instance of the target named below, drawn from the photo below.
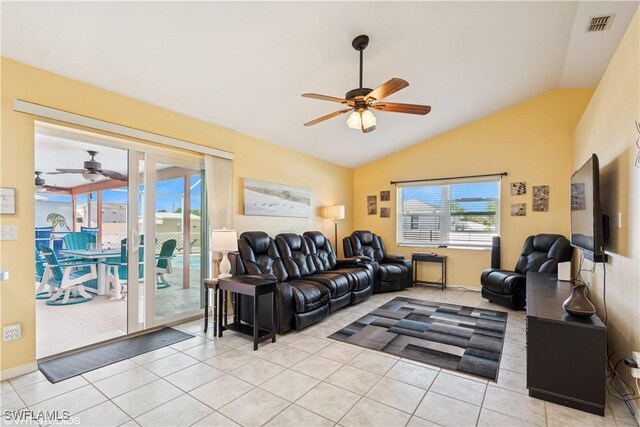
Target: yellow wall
(330, 184)
(531, 141)
(607, 129)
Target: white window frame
(444, 215)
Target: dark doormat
(69, 366)
(464, 339)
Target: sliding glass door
(168, 235)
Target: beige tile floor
(304, 380)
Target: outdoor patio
(83, 223)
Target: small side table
(211, 284)
(417, 257)
(253, 286)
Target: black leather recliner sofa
(359, 274)
(540, 253)
(391, 272)
(304, 294)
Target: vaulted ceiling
(243, 65)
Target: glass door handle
(136, 240)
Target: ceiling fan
(93, 170)
(361, 100)
(41, 187)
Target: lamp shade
(354, 121)
(362, 120)
(224, 240)
(368, 119)
(335, 212)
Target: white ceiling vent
(599, 23)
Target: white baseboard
(18, 370)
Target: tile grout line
(108, 400)
(231, 401)
(413, 414)
(135, 388)
(368, 390)
(546, 416)
(484, 395)
(333, 385)
(514, 416)
(139, 415)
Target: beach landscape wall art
(270, 199)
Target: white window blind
(459, 213)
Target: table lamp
(224, 241)
(335, 212)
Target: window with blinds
(451, 213)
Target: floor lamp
(335, 212)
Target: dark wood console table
(566, 355)
(417, 257)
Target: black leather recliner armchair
(359, 273)
(391, 272)
(540, 253)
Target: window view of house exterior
(452, 214)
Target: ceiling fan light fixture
(362, 99)
(91, 176)
(362, 120)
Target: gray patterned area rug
(454, 337)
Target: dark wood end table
(253, 286)
(417, 257)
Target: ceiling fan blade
(59, 171)
(386, 89)
(394, 107)
(327, 98)
(327, 117)
(114, 175)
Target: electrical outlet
(635, 372)
(11, 332)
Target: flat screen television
(588, 225)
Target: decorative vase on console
(578, 303)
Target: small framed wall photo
(518, 188)
(385, 196)
(372, 205)
(540, 198)
(7, 201)
(385, 212)
(518, 209)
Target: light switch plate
(9, 232)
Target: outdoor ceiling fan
(41, 186)
(93, 170)
(361, 100)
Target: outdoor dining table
(99, 256)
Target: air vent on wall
(600, 23)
